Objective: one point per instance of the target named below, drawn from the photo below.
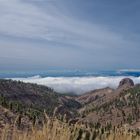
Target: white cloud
(77, 85)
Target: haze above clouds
(69, 34)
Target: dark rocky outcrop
(126, 83)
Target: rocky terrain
(118, 107)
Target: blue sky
(69, 34)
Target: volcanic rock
(126, 83)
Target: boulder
(126, 83)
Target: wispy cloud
(24, 19)
(66, 40)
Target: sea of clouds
(78, 85)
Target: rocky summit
(126, 83)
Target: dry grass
(53, 129)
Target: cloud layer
(78, 85)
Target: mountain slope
(116, 106)
(32, 100)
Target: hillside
(118, 107)
(32, 100)
(103, 109)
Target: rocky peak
(126, 83)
